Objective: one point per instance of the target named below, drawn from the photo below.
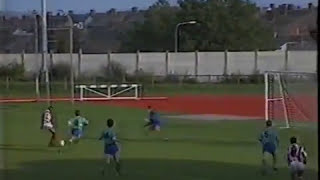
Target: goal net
(108, 92)
(291, 98)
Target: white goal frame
(269, 99)
(109, 95)
(284, 100)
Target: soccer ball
(62, 143)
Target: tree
(221, 24)
(160, 4)
(134, 9)
(155, 33)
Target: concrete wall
(193, 63)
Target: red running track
(252, 106)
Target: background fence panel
(153, 63)
(93, 64)
(271, 61)
(240, 63)
(182, 63)
(179, 63)
(211, 63)
(305, 61)
(32, 62)
(128, 60)
(10, 58)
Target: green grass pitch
(206, 150)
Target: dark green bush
(189, 80)
(142, 77)
(114, 72)
(12, 70)
(171, 78)
(60, 71)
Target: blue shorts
(269, 148)
(76, 133)
(154, 127)
(111, 149)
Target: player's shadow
(143, 169)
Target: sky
(104, 5)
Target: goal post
(290, 98)
(109, 92)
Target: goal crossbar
(109, 94)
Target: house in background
(106, 30)
(17, 34)
(292, 26)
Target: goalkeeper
(77, 124)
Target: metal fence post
(255, 70)
(7, 82)
(22, 58)
(37, 87)
(51, 61)
(109, 64)
(137, 62)
(109, 58)
(79, 63)
(136, 72)
(225, 68)
(286, 59)
(196, 63)
(167, 63)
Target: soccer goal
(291, 98)
(109, 92)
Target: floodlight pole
(45, 48)
(36, 51)
(70, 21)
(70, 29)
(36, 38)
(176, 34)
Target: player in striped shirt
(297, 159)
(78, 123)
(269, 141)
(48, 123)
(111, 146)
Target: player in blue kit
(111, 146)
(77, 124)
(269, 141)
(153, 120)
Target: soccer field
(196, 149)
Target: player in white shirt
(297, 159)
(48, 123)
